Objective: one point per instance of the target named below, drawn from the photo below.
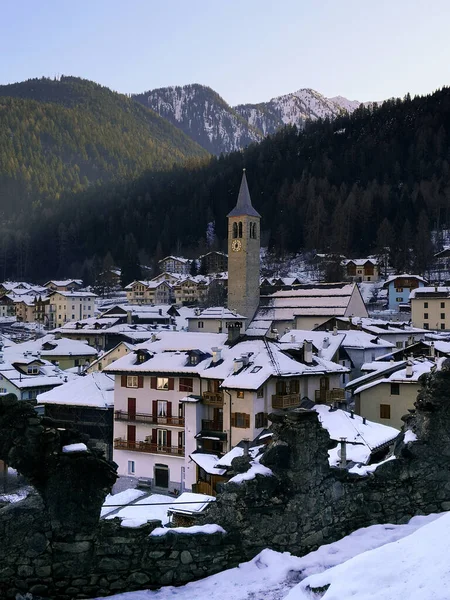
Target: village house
(175, 264)
(361, 269)
(7, 306)
(108, 357)
(67, 306)
(430, 307)
(150, 292)
(25, 375)
(85, 403)
(216, 319)
(399, 288)
(189, 394)
(306, 307)
(389, 391)
(213, 262)
(440, 269)
(64, 285)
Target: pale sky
(247, 50)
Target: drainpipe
(229, 416)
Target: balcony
(120, 444)
(120, 415)
(328, 396)
(212, 425)
(213, 398)
(285, 400)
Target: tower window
(235, 230)
(240, 229)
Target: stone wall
(303, 505)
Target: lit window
(132, 381)
(385, 411)
(162, 383)
(240, 394)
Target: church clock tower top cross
(244, 205)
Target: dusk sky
(247, 51)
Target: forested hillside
(64, 135)
(378, 178)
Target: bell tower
(243, 255)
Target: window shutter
(247, 421)
(169, 438)
(154, 409)
(171, 383)
(123, 381)
(154, 436)
(153, 383)
(233, 419)
(169, 409)
(140, 381)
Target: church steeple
(244, 203)
(243, 255)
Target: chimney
(129, 318)
(326, 342)
(364, 420)
(237, 365)
(409, 369)
(216, 354)
(335, 330)
(245, 359)
(352, 415)
(432, 350)
(153, 338)
(343, 454)
(307, 351)
(292, 338)
(359, 325)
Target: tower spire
(244, 203)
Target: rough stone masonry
(54, 546)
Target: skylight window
(255, 369)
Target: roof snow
(94, 390)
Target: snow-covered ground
(381, 562)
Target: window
(186, 384)
(442, 325)
(443, 316)
(399, 290)
(2, 390)
(131, 467)
(385, 411)
(235, 230)
(399, 344)
(285, 387)
(395, 389)
(162, 408)
(425, 315)
(162, 437)
(260, 420)
(240, 394)
(200, 324)
(255, 369)
(73, 306)
(260, 392)
(442, 304)
(33, 370)
(162, 383)
(399, 299)
(425, 304)
(425, 326)
(73, 316)
(241, 420)
(240, 229)
(132, 381)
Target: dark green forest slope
(377, 178)
(64, 135)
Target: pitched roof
(95, 390)
(244, 203)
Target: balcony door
(131, 433)
(132, 409)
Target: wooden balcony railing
(213, 398)
(120, 444)
(212, 425)
(285, 400)
(325, 396)
(121, 415)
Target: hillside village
(172, 386)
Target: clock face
(236, 245)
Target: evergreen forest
(371, 182)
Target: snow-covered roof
(360, 262)
(217, 312)
(207, 462)
(189, 503)
(419, 367)
(151, 285)
(94, 390)
(50, 346)
(362, 436)
(246, 365)
(404, 276)
(180, 259)
(425, 291)
(64, 282)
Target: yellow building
(430, 307)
